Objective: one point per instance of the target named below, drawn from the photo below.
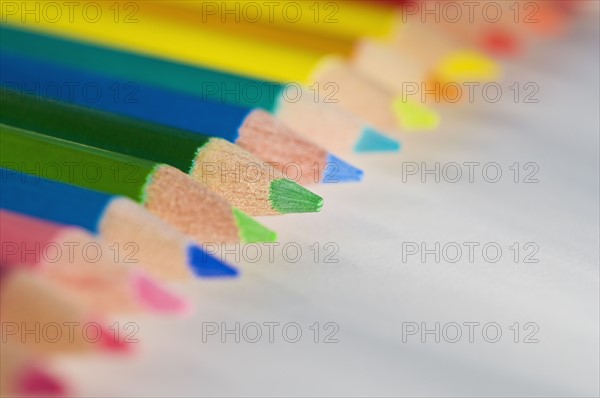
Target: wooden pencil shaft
(256, 131)
(162, 249)
(303, 114)
(23, 374)
(166, 192)
(76, 164)
(156, 35)
(210, 84)
(40, 243)
(54, 201)
(36, 242)
(267, 61)
(150, 103)
(280, 34)
(29, 300)
(101, 129)
(337, 19)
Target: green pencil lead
(289, 197)
(251, 231)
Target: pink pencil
(22, 375)
(102, 277)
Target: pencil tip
(37, 382)
(110, 341)
(415, 116)
(501, 42)
(339, 171)
(289, 197)
(155, 297)
(205, 265)
(372, 140)
(251, 231)
(464, 66)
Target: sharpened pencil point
(156, 298)
(339, 171)
(251, 231)
(289, 197)
(464, 66)
(205, 265)
(37, 382)
(110, 342)
(502, 42)
(415, 116)
(372, 140)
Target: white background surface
(371, 291)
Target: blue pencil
(156, 245)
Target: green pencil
(165, 191)
(241, 178)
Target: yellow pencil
(412, 54)
(373, 36)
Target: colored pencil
(155, 35)
(105, 280)
(23, 374)
(376, 60)
(504, 29)
(257, 132)
(206, 159)
(338, 19)
(219, 223)
(495, 40)
(165, 191)
(172, 195)
(453, 60)
(388, 62)
(325, 123)
(33, 303)
(161, 249)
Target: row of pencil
(130, 141)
